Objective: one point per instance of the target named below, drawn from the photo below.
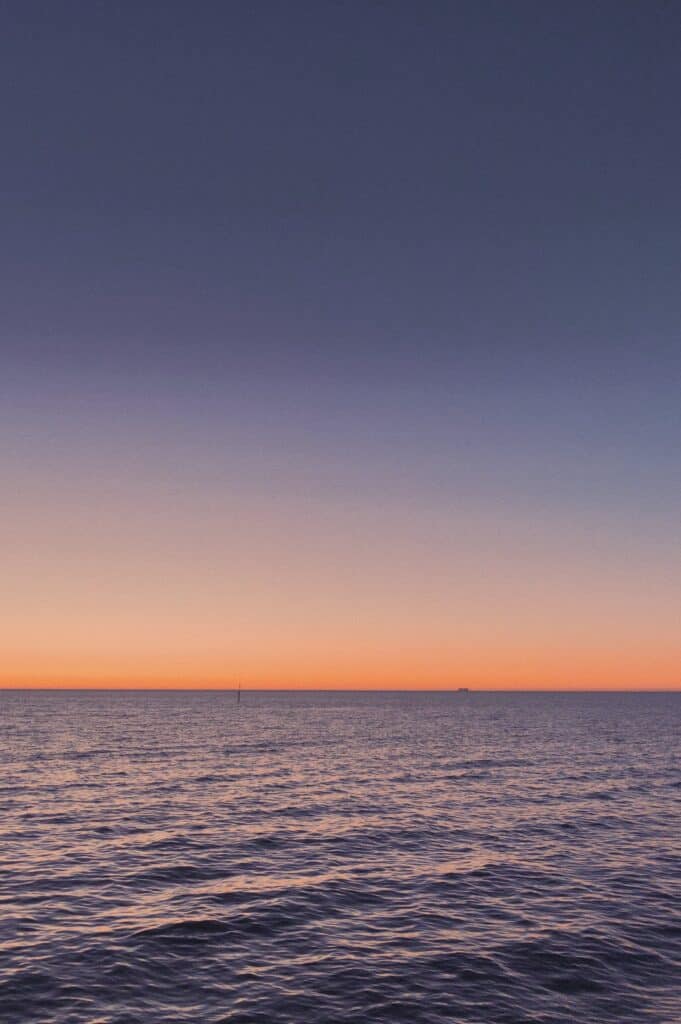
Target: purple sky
(355, 270)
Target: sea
(331, 857)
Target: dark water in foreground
(327, 857)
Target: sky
(340, 344)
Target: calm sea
(329, 857)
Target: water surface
(329, 857)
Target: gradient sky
(340, 344)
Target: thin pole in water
(238, 693)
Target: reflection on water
(328, 857)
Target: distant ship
(463, 689)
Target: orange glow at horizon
(502, 669)
(314, 594)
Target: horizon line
(334, 689)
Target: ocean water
(329, 857)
